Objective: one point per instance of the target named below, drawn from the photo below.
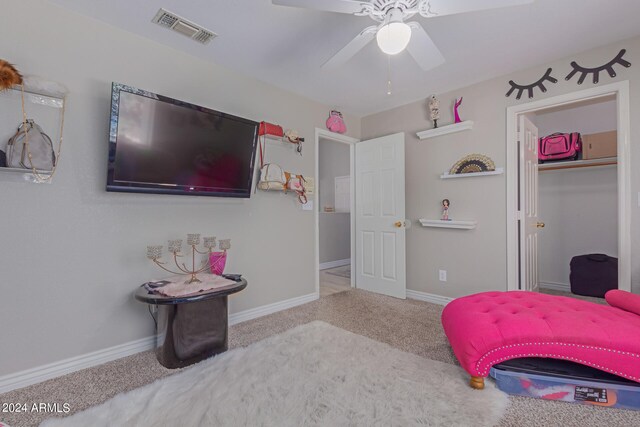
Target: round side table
(190, 328)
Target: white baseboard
(254, 313)
(563, 287)
(334, 264)
(52, 370)
(423, 296)
(46, 372)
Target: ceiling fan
(392, 33)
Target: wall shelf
(447, 175)
(45, 104)
(444, 130)
(21, 174)
(460, 225)
(575, 164)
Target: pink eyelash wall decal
(529, 88)
(597, 70)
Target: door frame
(621, 91)
(336, 137)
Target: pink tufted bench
(488, 328)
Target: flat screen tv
(162, 145)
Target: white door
(528, 210)
(380, 216)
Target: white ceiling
(286, 46)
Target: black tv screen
(162, 145)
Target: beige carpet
(410, 326)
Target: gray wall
(592, 118)
(476, 259)
(72, 253)
(335, 227)
(578, 206)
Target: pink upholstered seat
(487, 328)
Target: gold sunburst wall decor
(9, 76)
(473, 163)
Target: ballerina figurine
(434, 110)
(455, 110)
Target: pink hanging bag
(335, 122)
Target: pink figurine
(455, 110)
(445, 210)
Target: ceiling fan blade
(340, 6)
(448, 7)
(354, 46)
(423, 49)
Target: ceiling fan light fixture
(393, 37)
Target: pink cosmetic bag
(559, 146)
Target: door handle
(540, 224)
(399, 224)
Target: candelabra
(154, 253)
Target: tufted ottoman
(488, 328)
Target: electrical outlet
(442, 275)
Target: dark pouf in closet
(593, 275)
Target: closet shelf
(444, 130)
(439, 223)
(447, 175)
(575, 164)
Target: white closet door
(529, 222)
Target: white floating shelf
(20, 174)
(574, 164)
(444, 130)
(461, 225)
(447, 175)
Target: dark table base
(191, 332)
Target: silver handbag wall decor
(31, 148)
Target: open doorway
(563, 212)
(334, 213)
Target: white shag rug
(313, 375)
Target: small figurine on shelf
(456, 105)
(434, 110)
(445, 210)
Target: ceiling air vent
(172, 21)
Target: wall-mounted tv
(162, 145)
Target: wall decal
(597, 70)
(529, 88)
